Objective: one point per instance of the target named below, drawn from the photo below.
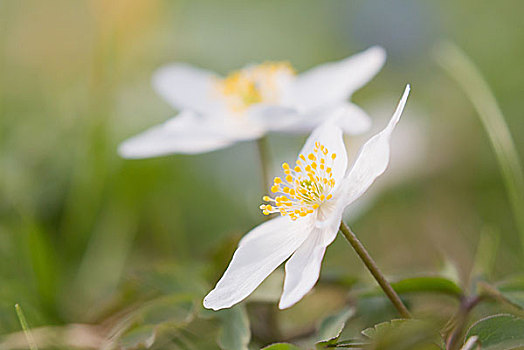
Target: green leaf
(281, 346)
(383, 327)
(331, 327)
(235, 333)
(404, 334)
(173, 310)
(513, 291)
(429, 284)
(270, 290)
(486, 254)
(139, 337)
(499, 332)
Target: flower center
(255, 84)
(305, 187)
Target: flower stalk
(263, 155)
(373, 268)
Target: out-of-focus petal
(351, 119)
(274, 117)
(373, 158)
(187, 133)
(303, 268)
(329, 135)
(334, 82)
(187, 87)
(258, 254)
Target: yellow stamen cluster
(254, 84)
(305, 187)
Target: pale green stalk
(264, 157)
(25, 327)
(263, 154)
(465, 73)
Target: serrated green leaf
(139, 337)
(281, 346)
(235, 333)
(331, 327)
(499, 332)
(404, 334)
(380, 328)
(430, 284)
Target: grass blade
(455, 62)
(25, 327)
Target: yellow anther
(333, 156)
(304, 188)
(254, 84)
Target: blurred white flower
(311, 199)
(248, 103)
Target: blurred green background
(80, 227)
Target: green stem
(373, 268)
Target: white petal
(373, 158)
(273, 117)
(187, 133)
(329, 135)
(303, 268)
(351, 118)
(258, 254)
(187, 87)
(336, 81)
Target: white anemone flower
(219, 111)
(311, 198)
